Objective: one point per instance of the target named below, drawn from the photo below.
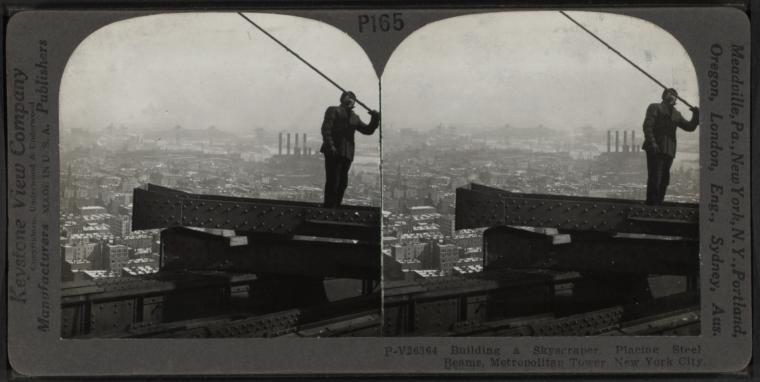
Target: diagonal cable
(621, 55)
(300, 58)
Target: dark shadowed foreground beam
(187, 249)
(514, 248)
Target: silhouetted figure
(660, 125)
(338, 145)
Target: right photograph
(540, 178)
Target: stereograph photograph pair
(401, 191)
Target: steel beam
(188, 249)
(355, 316)
(515, 248)
(157, 207)
(480, 206)
(94, 308)
(434, 305)
(604, 322)
(156, 283)
(473, 284)
(671, 314)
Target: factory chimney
(617, 141)
(609, 140)
(633, 141)
(279, 148)
(295, 148)
(625, 141)
(287, 151)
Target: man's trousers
(336, 179)
(658, 176)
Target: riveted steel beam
(515, 248)
(158, 283)
(96, 308)
(481, 206)
(354, 316)
(188, 249)
(160, 207)
(466, 285)
(675, 313)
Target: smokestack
(295, 148)
(625, 141)
(304, 143)
(617, 140)
(609, 140)
(279, 149)
(633, 141)
(287, 152)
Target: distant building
(140, 266)
(125, 209)
(410, 265)
(467, 269)
(448, 255)
(422, 210)
(409, 252)
(121, 225)
(99, 274)
(468, 240)
(446, 225)
(427, 273)
(139, 270)
(96, 229)
(80, 251)
(389, 241)
(96, 218)
(91, 210)
(442, 257)
(115, 257)
(137, 241)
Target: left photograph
(219, 178)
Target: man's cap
(669, 91)
(347, 94)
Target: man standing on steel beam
(660, 125)
(338, 129)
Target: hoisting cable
(621, 56)
(300, 58)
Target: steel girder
(95, 308)
(188, 249)
(515, 248)
(157, 207)
(434, 305)
(481, 206)
(352, 317)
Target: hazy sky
(203, 69)
(523, 68)
(530, 68)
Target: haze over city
(212, 69)
(527, 69)
(478, 71)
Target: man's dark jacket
(660, 126)
(338, 131)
